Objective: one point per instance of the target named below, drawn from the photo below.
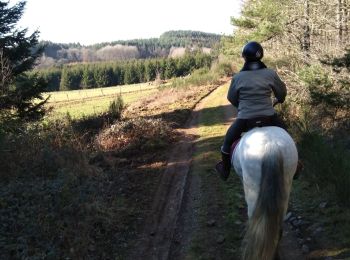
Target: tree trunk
(339, 22)
(307, 31)
(345, 20)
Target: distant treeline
(105, 74)
(57, 53)
(171, 39)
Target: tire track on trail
(169, 228)
(158, 234)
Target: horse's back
(259, 141)
(258, 138)
(256, 144)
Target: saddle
(258, 122)
(250, 124)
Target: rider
(250, 92)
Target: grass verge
(221, 210)
(321, 196)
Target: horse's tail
(265, 225)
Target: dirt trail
(168, 229)
(158, 235)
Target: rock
(98, 158)
(317, 231)
(211, 223)
(288, 216)
(302, 222)
(238, 222)
(323, 205)
(297, 223)
(121, 162)
(221, 239)
(313, 227)
(291, 219)
(305, 249)
(92, 248)
(298, 232)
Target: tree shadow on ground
(179, 117)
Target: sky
(89, 22)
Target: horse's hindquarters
(266, 158)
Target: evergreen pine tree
(18, 54)
(170, 68)
(88, 80)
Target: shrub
(116, 107)
(137, 133)
(38, 149)
(197, 78)
(223, 68)
(321, 86)
(48, 191)
(328, 99)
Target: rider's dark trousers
(243, 125)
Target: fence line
(66, 96)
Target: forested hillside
(57, 53)
(105, 74)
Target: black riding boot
(224, 167)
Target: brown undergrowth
(82, 188)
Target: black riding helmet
(252, 51)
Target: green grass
(332, 163)
(220, 201)
(325, 179)
(79, 108)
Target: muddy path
(169, 229)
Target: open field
(73, 95)
(93, 106)
(80, 103)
